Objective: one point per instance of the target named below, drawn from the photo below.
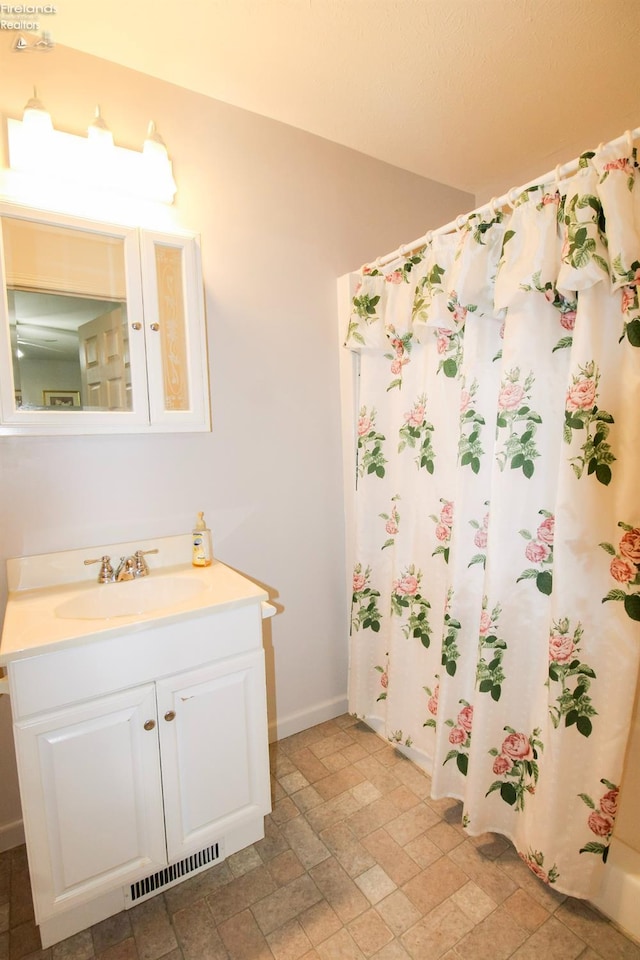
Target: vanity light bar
(169, 876)
(54, 156)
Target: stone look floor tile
(197, 933)
(434, 884)
(435, 934)
(320, 922)
(78, 947)
(375, 884)
(341, 946)
(398, 912)
(391, 857)
(357, 863)
(286, 903)
(111, 931)
(242, 938)
(347, 849)
(152, 929)
(339, 890)
(494, 938)
(289, 942)
(370, 932)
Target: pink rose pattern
(470, 449)
(489, 670)
(630, 300)
(444, 523)
(535, 861)
(364, 601)
(516, 444)
(416, 433)
(384, 680)
(583, 415)
(400, 355)
(460, 737)
(516, 767)
(601, 819)
(432, 704)
(539, 550)
(408, 603)
(480, 539)
(573, 701)
(371, 459)
(449, 341)
(625, 570)
(567, 309)
(392, 523)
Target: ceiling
(482, 95)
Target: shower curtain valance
(559, 239)
(496, 545)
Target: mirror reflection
(69, 353)
(67, 317)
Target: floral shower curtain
(496, 589)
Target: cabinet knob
(170, 715)
(149, 724)
(154, 326)
(136, 326)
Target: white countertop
(39, 585)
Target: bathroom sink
(129, 598)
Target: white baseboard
(11, 835)
(309, 717)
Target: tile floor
(357, 862)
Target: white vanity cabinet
(142, 754)
(102, 327)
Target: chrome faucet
(129, 568)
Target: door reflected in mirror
(69, 352)
(66, 299)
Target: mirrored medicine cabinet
(102, 327)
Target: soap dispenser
(202, 549)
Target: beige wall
(282, 214)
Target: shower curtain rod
(495, 203)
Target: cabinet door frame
(43, 798)
(174, 694)
(17, 420)
(194, 353)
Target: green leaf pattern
(518, 422)
(416, 434)
(565, 664)
(364, 601)
(601, 819)
(408, 603)
(516, 767)
(583, 414)
(624, 567)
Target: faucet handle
(142, 568)
(106, 574)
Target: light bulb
(35, 116)
(98, 132)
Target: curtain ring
(511, 197)
(493, 210)
(428, 238)
(558, 175)
(461, 219)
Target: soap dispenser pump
(202, 549)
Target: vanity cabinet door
(213, 742)
(92, 798)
